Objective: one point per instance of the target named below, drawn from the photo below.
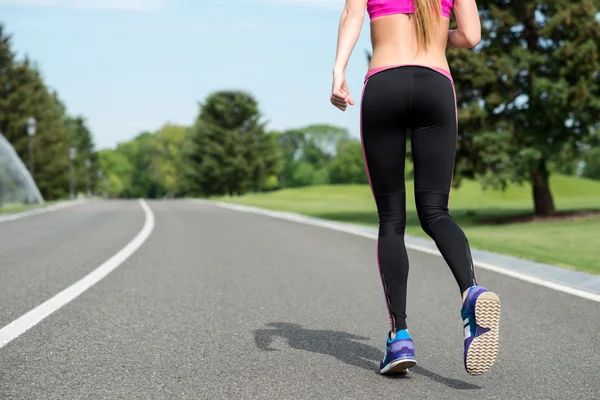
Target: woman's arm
(349, 30)
(348, 33)
(468, 34)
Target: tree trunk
(542, 196)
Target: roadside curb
(41, 210)
(577, 283)
(563, 276)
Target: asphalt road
(219, 304)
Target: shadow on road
(344, 346)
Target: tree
(291, 143)
(52, 143)
(165, 155)
(146, 166)
(81, 139)
(322, 142)
(227, 150)
(304, 174)
(268, 165)
(117, 173)
(529, 95)
(310, 148)
(138, 153)
(23, 94)
(591, 169)
(348, 164)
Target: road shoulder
(577, 283)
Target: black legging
(422, 100)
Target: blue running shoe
(481, 318)
(399, 354)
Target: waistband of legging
(436, 69)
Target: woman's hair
(427, 18)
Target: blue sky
(133, 65)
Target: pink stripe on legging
(373, 193)
(456, 114)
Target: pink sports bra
(379, 8)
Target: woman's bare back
(394, 41)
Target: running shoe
(481, 318)
(399, 353)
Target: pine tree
(81, 139)
(227, 150)
(51, 140)
(23, 95)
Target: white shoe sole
(484, 348)
(398, 366)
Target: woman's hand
(340, 94)
(351, 22)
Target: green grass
(19, 207)
(570, 244)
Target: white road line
(339, 227)
(41, 210)
(36, 315)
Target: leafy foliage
(529, 95)
(227, 150)
(23, 94)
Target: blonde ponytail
(427, 14)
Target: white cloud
(129, 5)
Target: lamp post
(72, 153)
(88, 164)
(31, 130)
(99, 178)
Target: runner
(409, 87)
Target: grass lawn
(12, 208)
(570, 243)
